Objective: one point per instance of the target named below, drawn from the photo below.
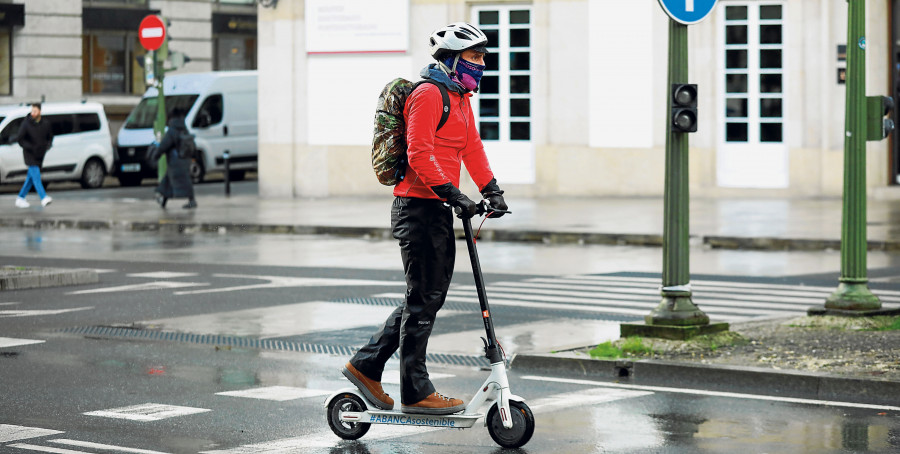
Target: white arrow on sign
(689, 5)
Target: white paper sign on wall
(357, 26)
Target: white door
(503, 105)
(752, 150)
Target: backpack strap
(445, 114)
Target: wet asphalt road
(71, 390)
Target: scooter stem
(491, 350)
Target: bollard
(225, 157)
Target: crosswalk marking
(9, 432)
(717, 283)
(276, 393)
(722, 300)
(11, 342)
(147, 412)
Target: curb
(504, 235)
(737, 379)
(20, 278)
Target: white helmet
(456, 38)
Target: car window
(144, 114)
(10, 131)
(88, 122)
(210, 113)
(61, 123)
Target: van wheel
(197, 171)
(93, 174)
(129, 180)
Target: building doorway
(752, 150)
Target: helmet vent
(461, 35)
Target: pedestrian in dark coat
(177, 182)
(35, 137)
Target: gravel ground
(845, 346)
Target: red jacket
(434, 158)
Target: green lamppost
(864, 121)
(677, 317)
(159, 125)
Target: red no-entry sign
(152, 32)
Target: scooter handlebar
(483, 207)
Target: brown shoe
(435, 404)
(370, 388)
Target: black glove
(492, 193)
(455, 198)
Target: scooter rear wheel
(345, 429)
(521, 431)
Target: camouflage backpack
(389, 142)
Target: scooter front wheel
(521, 431)
(346, 429)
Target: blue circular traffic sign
(687, 11)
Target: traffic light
(878, 117)
(684, 107)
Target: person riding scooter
(423, 223)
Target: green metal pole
(676, 307)
(676, 317)
(159, 125)
(853, 291)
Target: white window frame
(513, 161)
(753, 164)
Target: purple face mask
(468, 74)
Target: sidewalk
(798, 224)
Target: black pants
(427, 245)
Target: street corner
(14, 277)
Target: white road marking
(162, 275)
(9, 304)
(11, 342)
(31, 313)
(86, 444)
(147, 412)
(31, 447)
(700, 392)
(104, 271)
(9, 432)
(703, 282)
(393, 376)
(277, 393)
(288, 282)
(327, 439)
(156, 285)
(278, 321)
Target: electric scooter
(509, 420)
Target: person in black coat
(177, 182)
(35, 137)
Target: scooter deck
(454, 421)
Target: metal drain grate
(249, 342)
(370, 301)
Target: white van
(221, 113)
(82, 146)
